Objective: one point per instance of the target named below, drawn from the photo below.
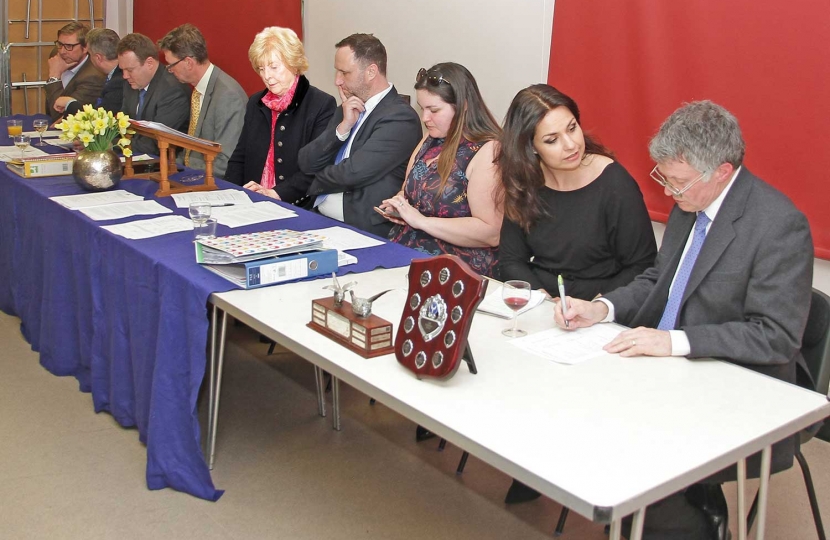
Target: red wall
(229, 27)
(630, 64)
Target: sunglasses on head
(433, 77)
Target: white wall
(118, 16)
(505, 44)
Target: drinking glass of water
(22, 142)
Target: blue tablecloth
(127, 318)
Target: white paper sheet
(48, 134)
(73, 202)
(123, 210)
(569, 347)
(493, 304)
(343, 239)
(12, 153)
(60, 143)
(248, 214)
(223, 196)
(148, 228)
(138, 157)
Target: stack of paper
(248, 214)
(494, 305)
(74, 202)
(222, 197)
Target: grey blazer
(167, 101)
(748, 297)
(376, 165)
(220, 119)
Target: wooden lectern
(168, 140)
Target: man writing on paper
(70, 72)
(154, 94)
(217, 103)
(360, 159)
(101, 46)
(732, 281)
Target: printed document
(12, 153)
(123, 210)
(222, 196)
(148, 228)
(248, 214)
(569, 346)
(73, 202)
(341, 238)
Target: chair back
(815, 347)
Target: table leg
(742, 499)
(335, 403)
(763, 489)
(218, 390)
(211, 377)
(616, 530)
(321, 395)
(637, 524)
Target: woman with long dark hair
(570, 209)
(448, 201)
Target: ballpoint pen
(561, 284)
(222, 204)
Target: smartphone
(393, 213)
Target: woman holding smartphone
(448, 203)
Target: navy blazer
(303, 121)
(111, 96)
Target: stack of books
(265, 258)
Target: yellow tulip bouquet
(97, 129)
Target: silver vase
(97, 170)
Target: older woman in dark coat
(279, 120)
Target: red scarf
(277, 104)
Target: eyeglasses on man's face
(658, 177)
(66, 46)
(433, 77)
(174, 64)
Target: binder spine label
(278, 271)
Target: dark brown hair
(183, 41)
(521, 173)
(140, 45)
(367, 50)
(456, 86)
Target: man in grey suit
(217, 104)
(360, 159)
(154, 94)
(732, 281)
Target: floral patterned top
(421, 191)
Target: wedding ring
(633, 342)
(400, 204)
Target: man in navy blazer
(360, 159)
(221, 99)
(732, 281)
(102, 44)
(154, 94)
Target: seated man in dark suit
(360, 159)
(70, 72)
(101, 45)
(217, 104)
(154, 94)
(732, 281)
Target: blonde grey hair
(282, 41)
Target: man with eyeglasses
(154, 94)
(70, 72)
(217, 103)
(732, 281)
(360, 159)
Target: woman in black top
(279, 120)
(569, 208)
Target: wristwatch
(50, 80)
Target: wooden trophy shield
(444, 293)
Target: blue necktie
(669, 319)
(138, 110)
(341, 155)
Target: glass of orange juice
(15, 127)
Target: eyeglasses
(433, 80)
(66, 46)
(658, 177)
(174, 64)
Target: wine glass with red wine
(516, 294)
